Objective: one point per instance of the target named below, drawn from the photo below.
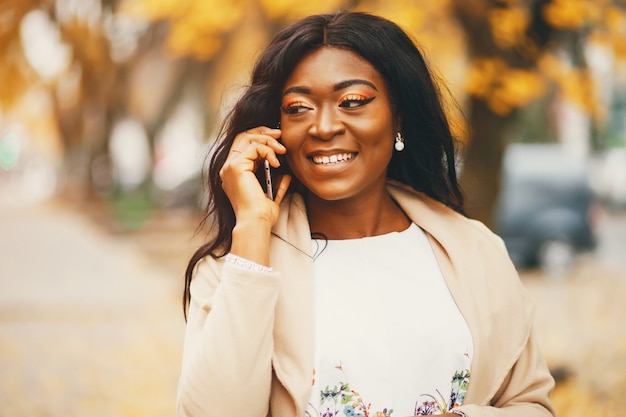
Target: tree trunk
(490, 133)
(482, 161)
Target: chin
(331, 193)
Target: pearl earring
(399, 145)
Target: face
(337, 125)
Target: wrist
(252, 232)
(254, 216)
(251, 240)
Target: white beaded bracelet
(245, 263)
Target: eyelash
(349, 102)
(294, 108)
(355, 99)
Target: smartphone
(268, 176)
(269, 190)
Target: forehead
(330, 66)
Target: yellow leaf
(551, 66)
(619, 47)
(293, 10)
(483, 73)
(569, 14)
(502, 87)
(520, 87)
(16, 74)
(413, 15)
(508, 26)
(615, 20)
(195, 26)
(498, 105)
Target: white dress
(389, 338)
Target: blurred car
(609, 177)
(546, 212)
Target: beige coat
(249, 349)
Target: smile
(332, 159)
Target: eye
(295, 107)
(354, 100)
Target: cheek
(291, 136)
(291, 140)
(379, 136)
(376, 128)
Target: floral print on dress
(343, 401)
(438, 404)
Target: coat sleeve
(226, 367)
(526, 389)
(525, 392)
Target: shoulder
(467, 250)
(472, 257)
(443, 223)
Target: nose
(327, 123)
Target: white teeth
(332, 159)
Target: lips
(332, 159)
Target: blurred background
(107, 108)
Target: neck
(348, 219)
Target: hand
(239, 182)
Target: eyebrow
(339, 86)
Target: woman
(361, 289)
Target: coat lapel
(484, 284)
(291, 255)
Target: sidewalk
(581, 325)
(89, 325)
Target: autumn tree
(14, 71)
(509, 49)
(515, 52)
(496, 56)
(504, 42)
(86, 94)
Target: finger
(237, 163)
(256, 152)
(264, 130)
(283, 186)
(262, 135)
(262, 140)
(258, 133)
